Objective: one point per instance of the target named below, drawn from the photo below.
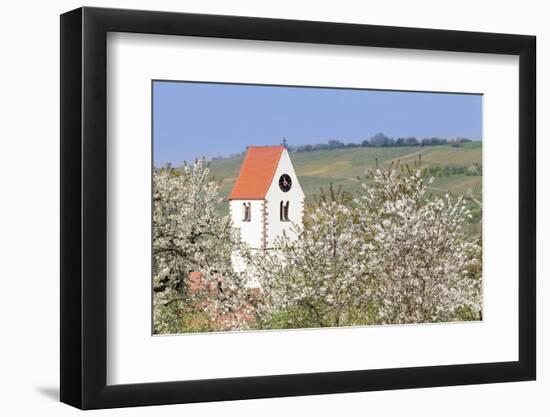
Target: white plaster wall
(251, 232)
(295, 195)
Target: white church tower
(267, 198)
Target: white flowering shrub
(317, 276)
(190, 237)
(394, 254)
(422, 265)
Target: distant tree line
(379, 140)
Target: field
(342, 167)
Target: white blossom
(394, 254)
(190, 237)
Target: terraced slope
(343, 166)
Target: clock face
(285, 183)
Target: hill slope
(343, 166)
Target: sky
(192, 120)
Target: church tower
(267, 199)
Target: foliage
(317, 271)
(394, 254)
(189, 237)
(423, 266)
(380, 140)
(473, 169)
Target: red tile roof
(256, 173)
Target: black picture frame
(84, 207)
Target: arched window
(246, 212)
(284, 209)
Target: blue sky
(192, 120)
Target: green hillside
(343, 166)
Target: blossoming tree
(190, 237)
(422, 265)
(319, 275)
(394, 255)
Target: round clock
(285, 183)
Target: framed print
(257, 208)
